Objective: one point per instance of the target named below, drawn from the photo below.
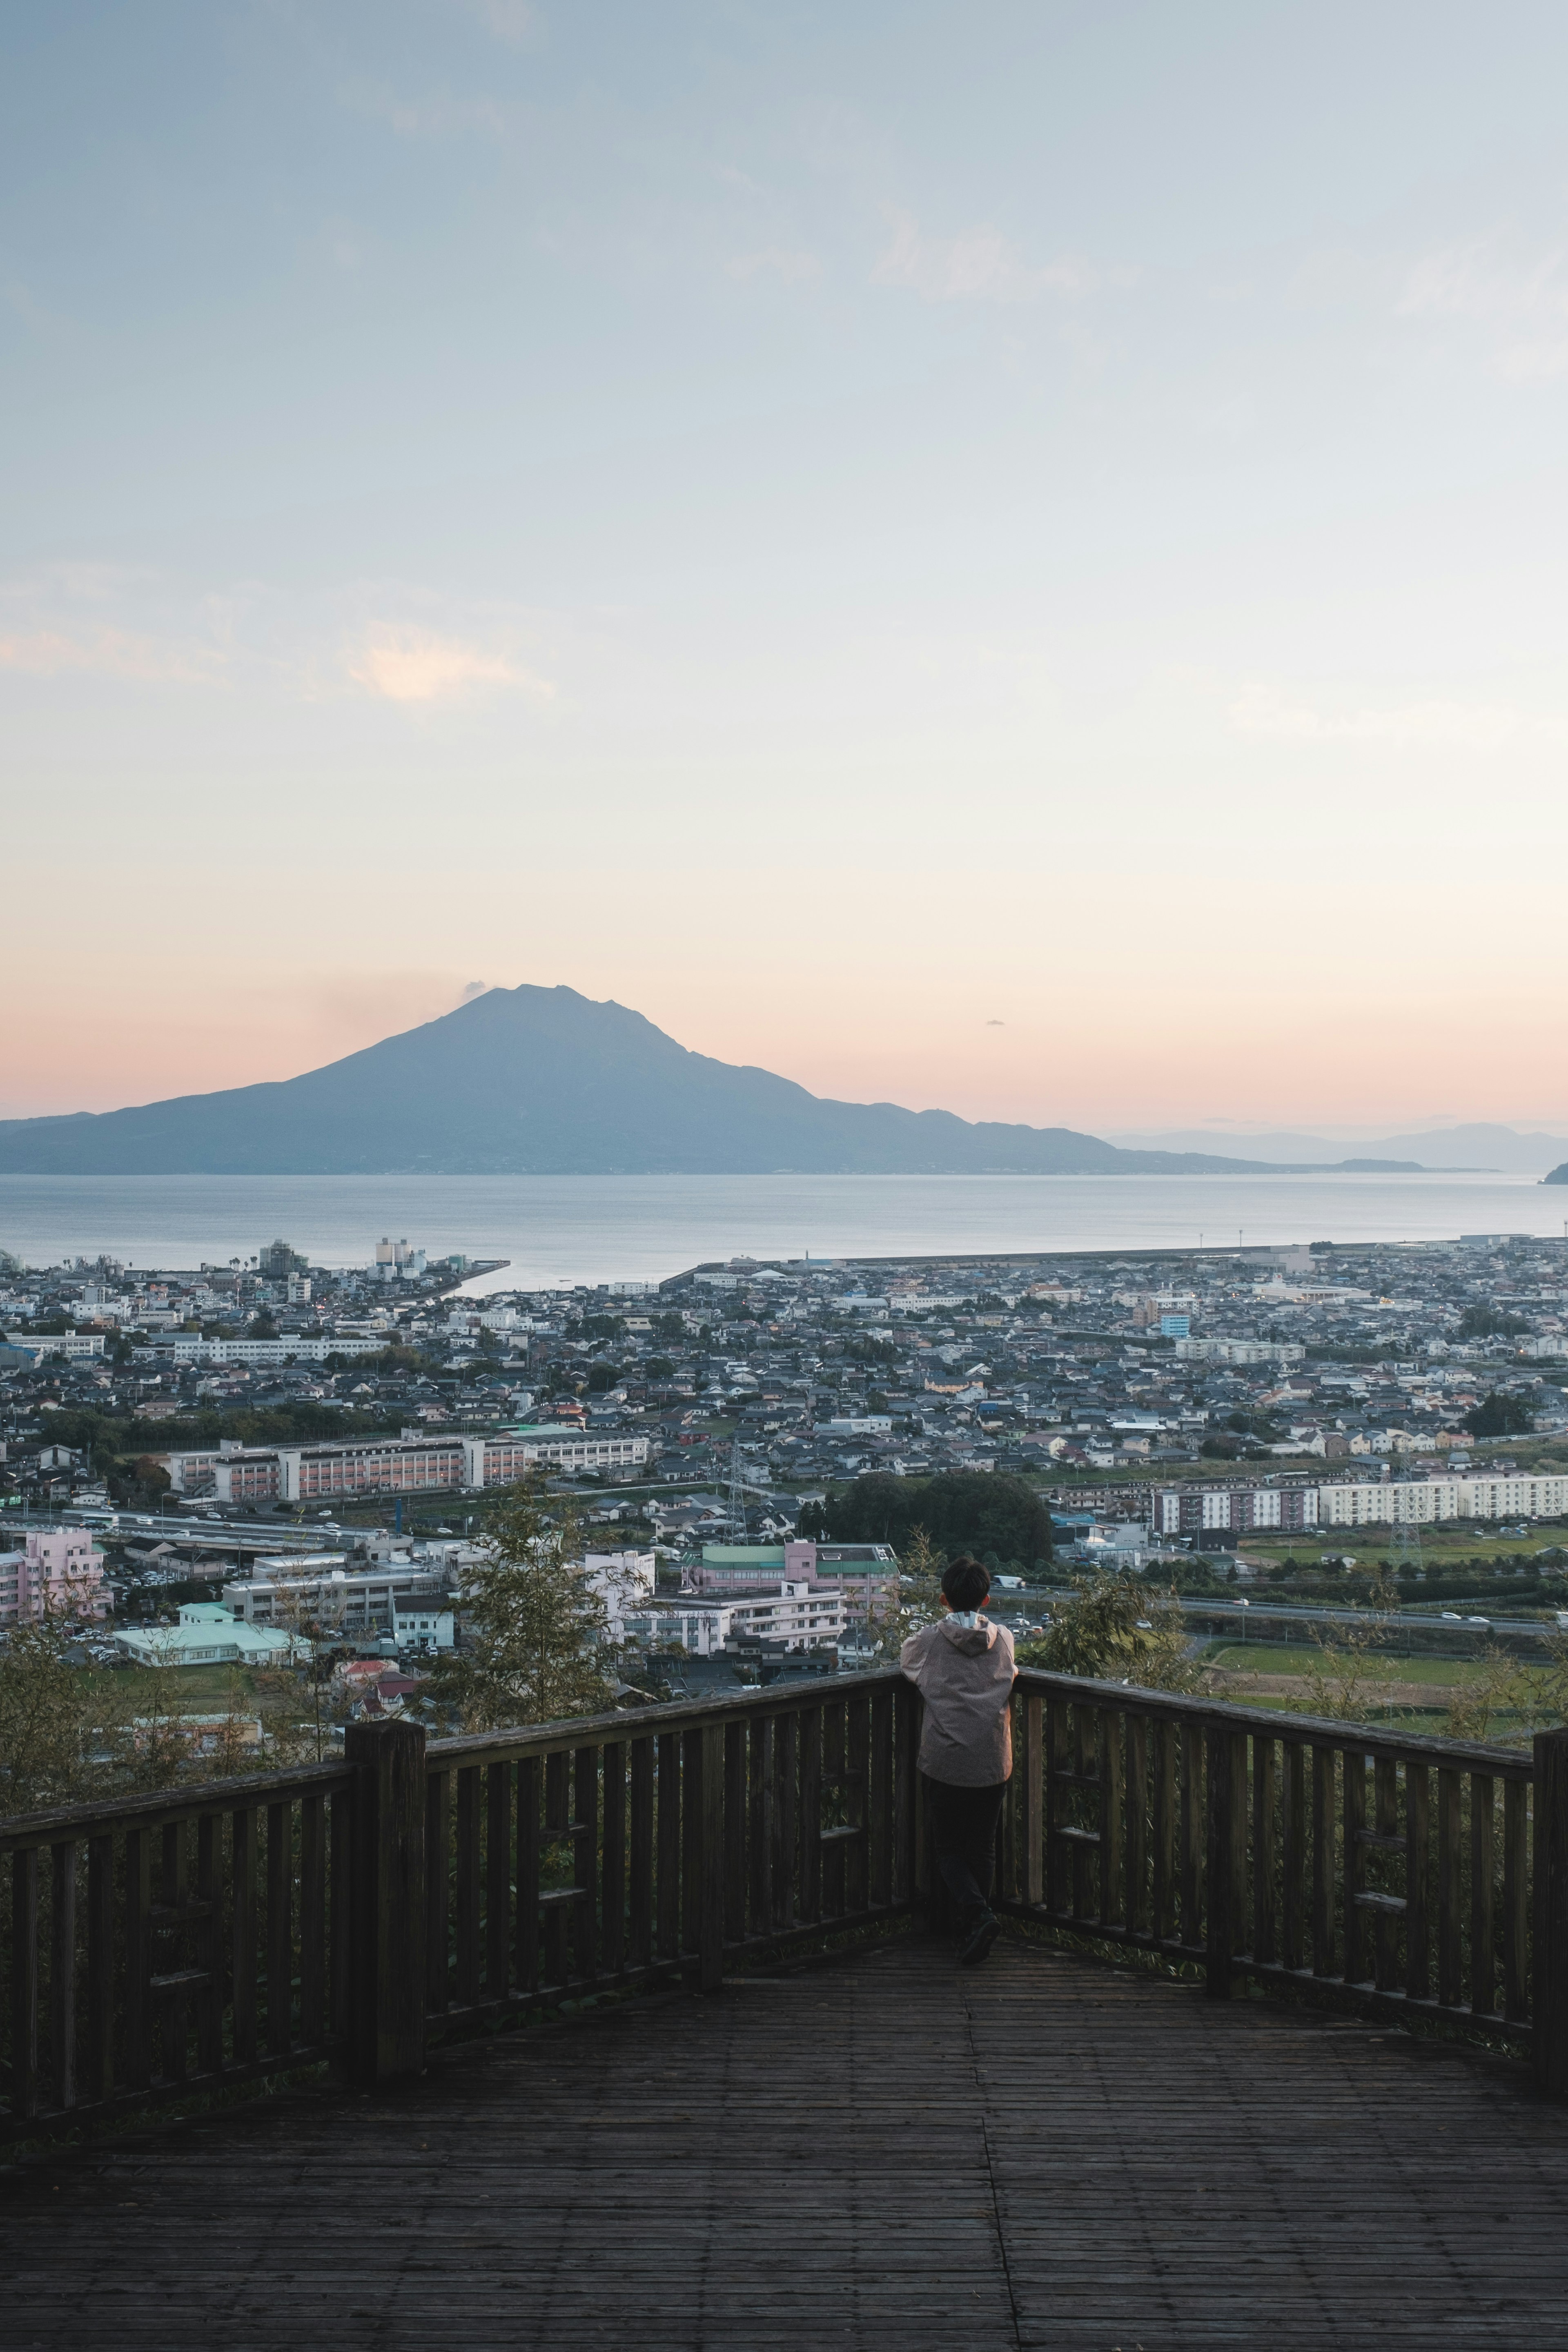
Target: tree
(44, 1720)
(534, 1644)
(918, 1602)
(1500, 1416)
(1114, 1628)
(1489, 1323)
(963, 1510)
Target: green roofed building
(207, 1634)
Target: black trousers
(965, 1822)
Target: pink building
(56, 1574)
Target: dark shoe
(980, 1938)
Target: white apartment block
(800, 1615)
(1239, 1509)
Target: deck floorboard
(885, 2152)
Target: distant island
(546, 1082)
(1558, 1175)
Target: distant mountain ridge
(1507, 1150)
(543, 1081)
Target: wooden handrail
(357, 1909)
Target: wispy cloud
(977, 266)
(1260, 710)
(414, 664)
(107, 653)
(437, 114)
(775, 261)
(516, 22)
(1519, 306)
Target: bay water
(577, 1229)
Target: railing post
(1549, 1989)
(387, 1984)
(1226, 1773)
(711, 1908)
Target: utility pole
(737, 1495)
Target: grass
(1298, 1657)
(203, 1690)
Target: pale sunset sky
(1003, 555)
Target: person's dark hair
(966, 1584)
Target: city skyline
(972, 558)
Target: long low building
(1199, 1509)
(394, 1465)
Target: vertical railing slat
(62, 1970)
(437, 1892)
(1324, 1791)
(641, 1874)
(1483, 1959)
(734, 1832)
(1353, 1802)
(24, 2084)
(1164, 1827)
(585, 1860)
(528, 1857)
(857, 1806)
(468, 1887)
(1451, 1816)
(557, 1830)
(100, 2074)
(1113, 1894)
(809, 1910)
(1031, 1763)
(497, 1879)
(1194, 1828)
(880, 1829)
(667, 1890)
(613, 1914)
(1265, 1850)
(139, 1959)
(1515, 1899)
(1385, 1941)
(312, 1917)
(280, 1927)
(1417, 1868)
(1292, 1854)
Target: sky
(1001, 556)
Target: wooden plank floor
(885, 2152)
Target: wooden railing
(359, 1910)
(1399, 1875)
(159, 1946)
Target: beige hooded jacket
(964, 1673)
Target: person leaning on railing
(962, 1667)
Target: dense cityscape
(192, 1456)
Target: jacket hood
(970, 1639)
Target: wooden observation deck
(773, 2144)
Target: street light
(1244, 1605)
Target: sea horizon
(566, 1230)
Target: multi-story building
(799, 1614)
(414, 1463)
(58, 1572)
(319, 1589)
(1241, 1507)
(866, 1575)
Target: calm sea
(596, 1228)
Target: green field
(1300, 1657)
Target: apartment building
(1242, 1509)
(416, 1463)
(799, 1614)
(288, 1591)
(56, 1572)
